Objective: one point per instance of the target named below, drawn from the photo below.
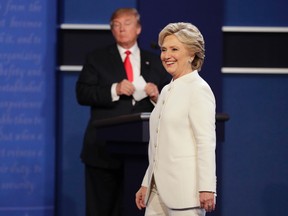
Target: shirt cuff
(114, 95)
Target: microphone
(154, 45)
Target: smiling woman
(185, 111)
(175, 57)
(184, 42)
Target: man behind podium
(103, 85)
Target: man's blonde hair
(126, 11)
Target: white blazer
(182, 142)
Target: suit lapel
(145, 64)
(118, 67)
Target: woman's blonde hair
(190, 36)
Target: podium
(132, 148)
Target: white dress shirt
(135, 61)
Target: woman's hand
(140, 197)
(207, 201)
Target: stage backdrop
(73, 44)
(27, 91)
(254, 162)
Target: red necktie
(128, 66)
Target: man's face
(125, 30)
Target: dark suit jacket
(102, 68)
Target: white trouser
(156, 207)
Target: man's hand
(125, 88)
(152, 91)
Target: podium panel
(135, 127)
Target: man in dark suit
(104, 86)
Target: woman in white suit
(181, 176)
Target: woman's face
(175, 57)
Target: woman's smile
(175, 57)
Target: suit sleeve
(202, 118)
(90, 90)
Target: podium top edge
(144, 116)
